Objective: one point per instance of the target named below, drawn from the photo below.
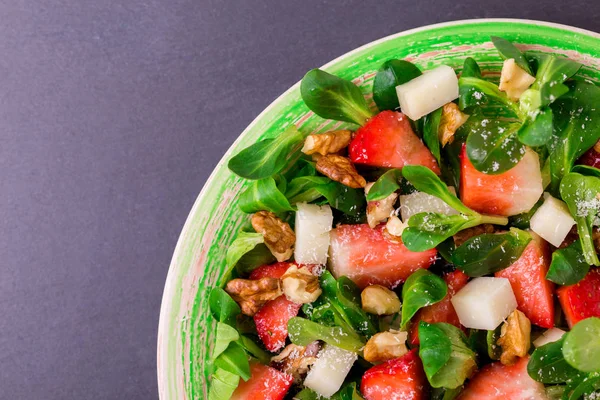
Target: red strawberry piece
(398, 379)
(272, 318)
(527, 278)
(497, 381)
(387, 140)
(266, 383)
(591, 158)
(442, 311)
(367, 257)
(581, 300)
(509, 193)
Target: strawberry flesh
(266, 383)
(582, 300)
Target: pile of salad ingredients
(444, 247)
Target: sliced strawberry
(366, 256)
(582, 300)
(527, 278)
(266, 383)
(272, 318)
(442, 311)
(400, 379)
(591, 158)
(497, 381)
(387, 140)
(510, 193)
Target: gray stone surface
(112, 115)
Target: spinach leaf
(421, 289)
(222, 384)
(580, 193)
(547, 364)
(476, 92)
(222, 307)
(555, 392)
(446, 248)
(581, 347)
(331, 97)
(424, 180)
(493, 148)
(447, 359)
(225, 335)
(234, 360)
(431, 124)
(243, 243)
(387, 184)
(347, 392)
(578, 388)
(488, 253)
(259, 255)
(536, 131)
(508, 50)
(586, 170)
(576, 128)
(391, 74)
(470, 69)
(494, 350)
(303, 332)
(255, 350)
(267, 157)
(305, 189)
(264, 195)
(306, 394)
(568, 265)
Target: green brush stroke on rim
(185, 333)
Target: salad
(444, 246)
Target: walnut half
(452, 119)
(251, 295)
(279, 237)
(327, 143)
(385, 346)
(295, 360)
(380, 210)
(340, 169)
(300, 286)
(515, 338)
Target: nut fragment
(385, 346)
(515, 338)
(394, 227)
(379, 211)
(300, 286)
(327, 143)
(467, 234)
(597, 146)
(279, 237)
(514, 80)
(340, 169)
(377, 299)
(251, 295)
(452, 119)
(295, 360)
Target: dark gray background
(112, 115)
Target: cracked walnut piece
(379, 211)
(379, 300)
(452, 119)
(327, 143)
(251, 295)
(515, 338)
(295, 360)
(340, 169)
(385, 346)
(279, 237)
(300, 286)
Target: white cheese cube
(484, 303)
(428, 92)
(313, 224)
(328, 373)
(418, 202)
(552, 221)
(551, 335)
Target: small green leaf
(581, 347)
(222, 385)
(234, 360)
(537, 132)
(568, 265)
(577, 389)
(470, 69)
(431, 124)
(331, 97)
(243, 243)
(303, 332)
(421, 289)
(259, 255)
(508, 50)
(222, 307)
(586, 170)
(225, 335)
(424, 180)
(347, 392)
(547, 364)
(267, 157)
(264, 195)
(494, 351)
(427, 230)
(391, 74)
(489, 253)
(493, 147)
(255, 350)
(387, 184)
(476, 92)
(447, 359)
